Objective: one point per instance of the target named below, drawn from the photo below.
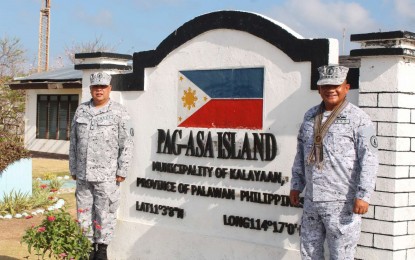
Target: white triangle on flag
(190, 98)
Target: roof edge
(86, 55)
(314, 50)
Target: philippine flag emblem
(225, 98)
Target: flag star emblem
(223, 98)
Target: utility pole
(44, 32)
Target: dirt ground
(43, 166)
(12, 230)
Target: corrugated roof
(63, 74)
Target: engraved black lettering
(190, 151)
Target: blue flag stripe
(229, 83)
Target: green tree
(12, 59)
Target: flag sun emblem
(220, 98)
(189, 98)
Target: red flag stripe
(227, 113)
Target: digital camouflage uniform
(349, 171)
(100, 148)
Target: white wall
(387, 95)
(201, 234)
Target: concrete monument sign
(216, 110)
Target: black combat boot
(92, 253)
(101, 253)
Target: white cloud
(405, 8)
(146, 4)
(322, 18)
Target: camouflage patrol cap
(100, 78)
(332, 75)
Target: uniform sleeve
(72, 147)
(125, 143)
(298, 169)
(367, 154)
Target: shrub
(49, 176)
(14, 202)
(55, 184)
(59, 236)
(18, 202)
(11, 151)
(11, 125)
(40, 195)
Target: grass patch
(42, 167)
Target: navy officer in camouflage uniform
(99, 157)
(336, 163)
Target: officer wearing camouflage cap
(336, 163)
(99, 157)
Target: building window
(54, 116)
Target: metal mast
(44, 28)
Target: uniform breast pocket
(108, 129)
(82, 126)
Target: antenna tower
(44, 31)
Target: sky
(130, 26)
